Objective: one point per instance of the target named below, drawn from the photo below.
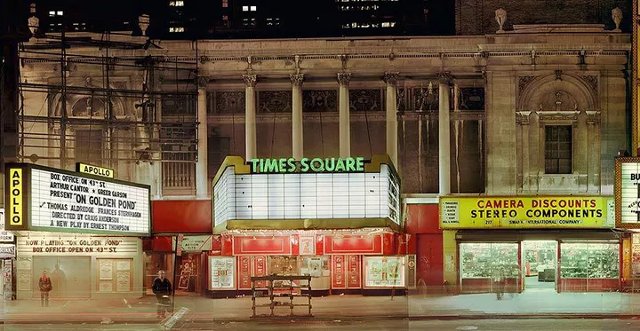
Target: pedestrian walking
(44, 283)
(162, 289)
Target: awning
(307, 224)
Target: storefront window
(480, 260)
(283, 265)
(582, 260)
(384, 271)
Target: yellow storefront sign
(527, 212)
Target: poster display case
(221, 273)
(384, 271)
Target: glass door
(539, 264)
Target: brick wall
(478, 16)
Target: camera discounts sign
(48, 199)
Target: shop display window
(593, 260)
(482, 260)
(315, 266)
(284, 265)
(384, 271)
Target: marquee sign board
(48, 199)
(317, 193)
(627, 192)
(5, 236)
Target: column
(202, 177)
(296, 115)
(343, 114)
(250, 116)
(444, 142)
(390, 79)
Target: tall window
(557, 149)
(225, 3)
(89, 146)
(178, 3)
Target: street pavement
(530, 304)
(369, 325)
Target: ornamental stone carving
(593, 117)
(523, 81)
(501, 17)
(391, 77)
(445, 77)
(143, 23)
(296, 79)
(344, 78)
(250, 80)
(522, 117)
(616, 16)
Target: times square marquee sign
(47, 199)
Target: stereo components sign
(56, 200)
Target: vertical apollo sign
(14, 197)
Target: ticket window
(318, 268)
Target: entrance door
(539, 265)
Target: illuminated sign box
(627, 192)
(47, 199)
(311, 193)
(526, 212)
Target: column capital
(391, 77)
(202, 81)
(297, 79)
(250, 80)
(445, 77)
(344, 78)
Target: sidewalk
(143, 310)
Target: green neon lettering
(316, 165)
(340, 165)
(282, 163)
(254, 164)
(291, 162)
(330, 164)
(304, 165)
(351, 165)
(359, 163)
(270, 165)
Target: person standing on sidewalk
(44, 283)
(162, 289)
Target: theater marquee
(47, 199)
(627, 192)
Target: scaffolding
(109, 102)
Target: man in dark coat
(162, 289)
